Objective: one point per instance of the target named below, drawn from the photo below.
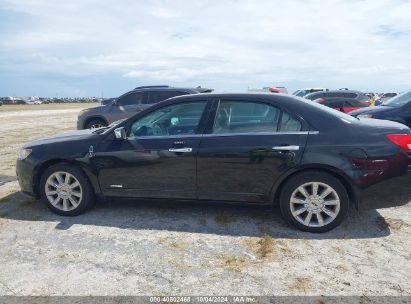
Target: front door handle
(286, 148)
(181, 150)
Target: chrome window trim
(228, 134)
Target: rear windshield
(399, 100)
(331, 111)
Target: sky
(104, 48)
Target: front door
(249, 145)
(158, 158)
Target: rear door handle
(181, 150)
(286, 148)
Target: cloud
(91, 45)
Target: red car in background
(343, 104)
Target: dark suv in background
(129, 104)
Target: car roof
(161, 88)
(334, 91)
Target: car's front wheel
(95, 123)
(314, 201)
(66, 190)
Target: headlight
(24, 153)
(364, 116)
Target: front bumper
(80, 123)
(25, 177)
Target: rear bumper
(392, 192)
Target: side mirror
(120, 133)
(114, 103)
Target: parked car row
(44, 100)
(277, 149)
(138, 99)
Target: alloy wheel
(96, 126)
(315, 204)
(63, 191)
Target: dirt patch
(341, 268)
(179, 245)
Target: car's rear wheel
(95, 123)
(66, 190)
(314, 201)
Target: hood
(67, 136)
(373, 110)
(93, 109)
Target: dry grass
(339, 250)
(344, 237)
(301, 284)
(232, 263)
(224, 219)
(20, 127)
(370, 252)
(391, 223)
(50, 106)
(267, 247)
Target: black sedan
(396, 109)
(256, 148)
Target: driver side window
(178, 119)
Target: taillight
(401, 140)
(273, 90)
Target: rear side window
(335, 104)
(131, 99)
(289, 123)
(250, 117)
(155, 97)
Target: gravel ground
(173, 248)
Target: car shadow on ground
(192, 217)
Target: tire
(68, 187)
(95, 123)
(327, 210)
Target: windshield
(399, 100)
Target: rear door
(127, 105)
(248, 144)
